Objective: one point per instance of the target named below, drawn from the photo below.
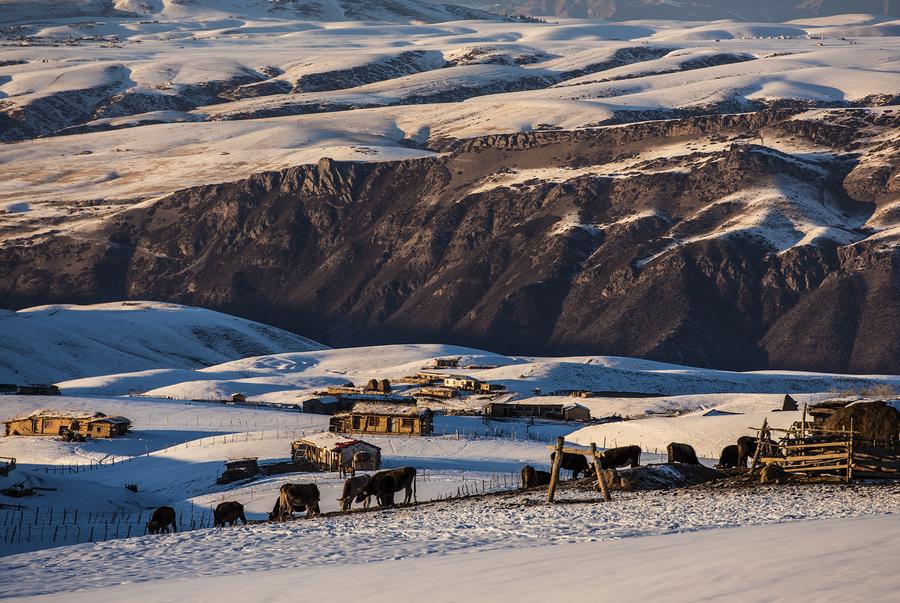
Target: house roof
(394, 410)
(332, 441)
(76, 415)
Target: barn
(535, 408)
(59, 422)
(385, 418)
(332, 451)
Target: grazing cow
(729, 457)
(404, 478)
(161, 520)
(619, 457)
(297, 497)
(577, 463)
(352, 487)
(532, 477)
(682, 453)
(228, 512)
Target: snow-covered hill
(55, 343)
(16, 11)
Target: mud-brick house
(59, 422)
(558, 411)
(333, 451)
(463, 382)
(384, 418)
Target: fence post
(601, 478)
(554, 473)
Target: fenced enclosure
(814, 451)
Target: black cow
(747, 446)
(386, 489)
(619, 457)
(532, 477)
(576, 463)
(228, 512)
(161, 520)
(297, 497)
(682, 453)
(729, 457)
(404, 479)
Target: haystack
(872, 420)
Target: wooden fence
(808, 450)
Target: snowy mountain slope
(55, 343)
(699, 10)
(15, 11)
(703, 158)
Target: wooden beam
(601, 478)
(554, 473)
(819, 445)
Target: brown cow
(297, 497)
(532, 477)
(161, 520)
(229, 512)
(352, 487)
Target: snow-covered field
(834, 560)
(491, 526)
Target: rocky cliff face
(710, 241)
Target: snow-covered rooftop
(77, 415)
(397, 410)
(331, 441)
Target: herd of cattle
(733, 456)
(383, 485)
(292, 498)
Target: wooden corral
(61, 422)
(334, 452)
(560, 411)
(858, 440)
(392, 418)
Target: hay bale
(661, 477)
(873, 420)
(773, 474)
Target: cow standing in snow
(352, 488)
(161, 520)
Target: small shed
(238, 399)
(60, 422)
(386, 418)
(333, 451)
(325, 405)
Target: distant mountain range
(743, 10)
